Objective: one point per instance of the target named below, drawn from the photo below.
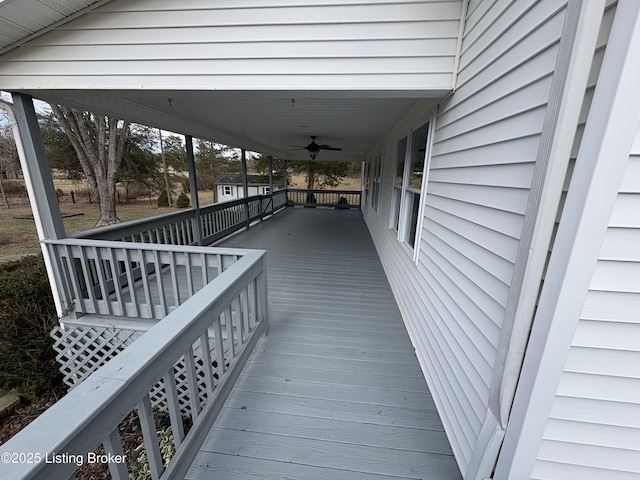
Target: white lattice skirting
(81, 350)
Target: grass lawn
(18, 234)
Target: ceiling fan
(313, 148)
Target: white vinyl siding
(593, 430)
(486, 140)
(245, 45)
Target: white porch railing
(135, 280)
(222, 321)
(341, 199)
(181, 228)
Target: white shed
(502, 148)
(231, 186)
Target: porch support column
(39, 183)
(193, 187)
(286, 174)
(270, 174)
(245, 184)
(271, 182)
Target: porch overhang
(268, 122)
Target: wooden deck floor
(335, 391)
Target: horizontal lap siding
(158, 44)
(485, 146)
(593, 429)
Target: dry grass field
(18, 234)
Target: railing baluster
(174, 279)
(183, 235)
(113, 446)
(189, 272)
(173, 405)
(145, 283)
(205, 273)
(150, 435)
(192, 381)
(229, 327)
(219, 341)
(205, 349)
(102, 281)
(86, 270)
(244, 314)
(117, 287)
(264, 302)
(67, 274)
(131, 283)
(160, 282)
(172, 233)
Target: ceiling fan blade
(326, 147)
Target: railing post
(193, 186)
(245, 185)
(39, 183)
(264, 297)
(271, 180)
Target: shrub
(14, 187)
(27, 315)
(163, 200)
(183, 201)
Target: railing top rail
(350, 192)
(86, 242)
(133, 226)
(88, 413)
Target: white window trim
(425, 181)
(397, 202)
(376, 193)
(402, 233)
(403, 188)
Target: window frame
(227, 190)
(397, 190)
(376, 179)
(409, 195)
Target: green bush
(27, 315)
(182, 201)
(163, 200)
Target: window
(376, 174)
(411, 168)
(267, 191)
(226, 190)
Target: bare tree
(99, 143)
(9, 161)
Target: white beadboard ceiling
(269, 122)
(22, 19)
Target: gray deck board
(335, 390)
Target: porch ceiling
(268, 122)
